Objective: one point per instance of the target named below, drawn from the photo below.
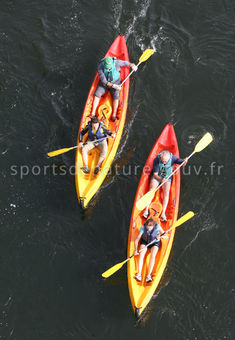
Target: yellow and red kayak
(88, 184)
(142, 292)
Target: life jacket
(111, 75)
(96, 135)
(149, 236)
(165, 170)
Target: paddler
(148, 232)
(109, 74)
(97, 137)
(162, 168)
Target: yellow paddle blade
(113, 269)
(145, 55)
(58, 152)
(145, 200)
(203, 142)
(183, 219)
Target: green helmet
(108, 62)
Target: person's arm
(101, 74)
(82, 133)
(107, 131)
(158, 178)
(122, 63)
(176, 160)
(103, 79)
(162, 231)
(156, 170)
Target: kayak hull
(88, 184)
(142, 292)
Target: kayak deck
(88, 184)
(142, 292)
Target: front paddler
(97, 133)
(109, 74)
(162, 168)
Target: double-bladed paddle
(60, 151)
(118, 266)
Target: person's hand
(134, 67)
(185, 161)
(80, 145)
(116, 87)
(164, 180)
(136, 252)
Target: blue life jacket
(96, 135)
(111, 75)
(165, 169)
(149, 236)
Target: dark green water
(52, 254)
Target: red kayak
(142, 292)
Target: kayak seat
(155, 210)
(104, 112)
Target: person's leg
(116, 97)
(115, 107)
(141, 258)
(85, 149)
(95, 104)
(100, 91)
(103, 146)
(166, 190)
(153, 254)
(153, 184)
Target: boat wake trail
(143, 7)
(117, 10)
(129, 20)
